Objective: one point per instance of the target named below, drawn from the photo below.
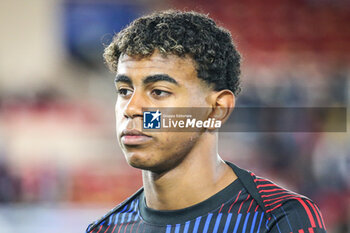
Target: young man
(183, 59)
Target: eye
(160, 93)
(124, 92)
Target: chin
(141, 160)
(148, 162)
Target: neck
(200, 175)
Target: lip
(134, 137)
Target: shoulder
(128, 205)
(288, 210)
(299, 214)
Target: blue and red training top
(249, 204)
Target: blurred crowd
(57, 141)
(314, 164)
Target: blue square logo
(151, 119)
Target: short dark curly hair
(182, 33)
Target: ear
(223, 103)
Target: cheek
(192, 96)
(117, 107)
(118, 111)
(176, 143)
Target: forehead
(175, 66)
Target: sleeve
(299, 215)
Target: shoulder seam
(274, 194)
(247, 179)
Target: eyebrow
(149, 79)
(122, 78)
(159, 77)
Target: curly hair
(182, 33)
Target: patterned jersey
(249, 204)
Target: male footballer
(183, 59)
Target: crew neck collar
(161, 217)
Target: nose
(134, 106)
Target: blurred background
(60, 165)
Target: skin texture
(179, 169)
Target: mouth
(134, 137)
